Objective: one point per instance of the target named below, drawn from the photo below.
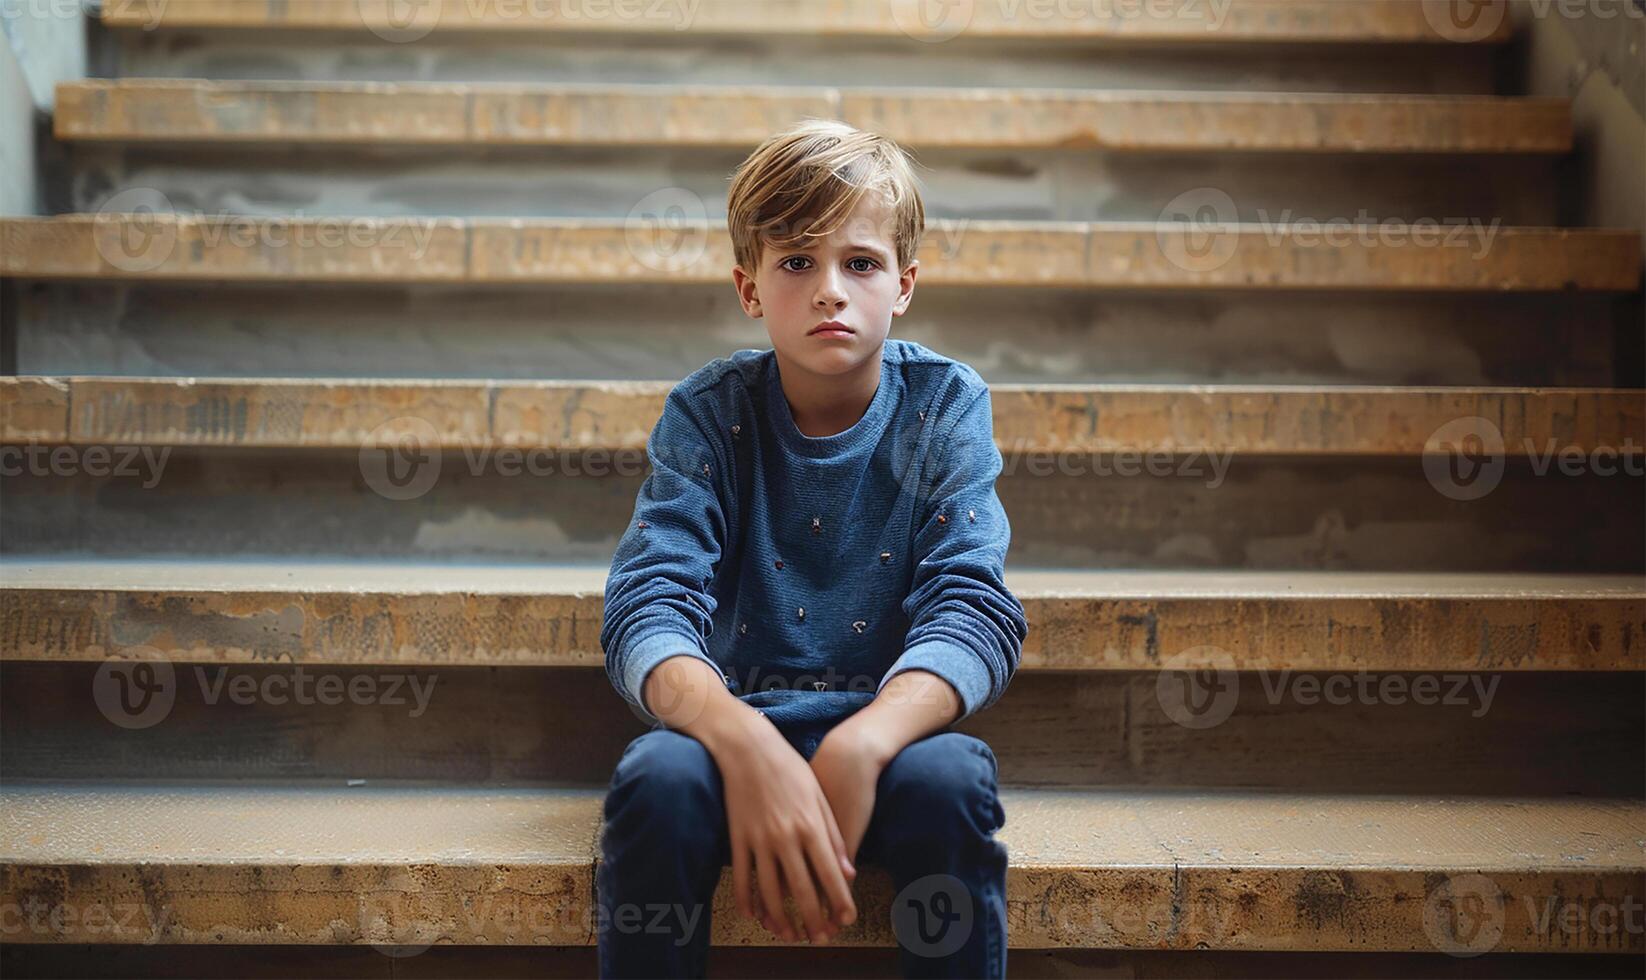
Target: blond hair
(805, 181)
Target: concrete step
(1093, 255)
(1504, 732)
(497, 615)
(764, 962)
(618, 416)
(1122, 511)
(275, 112)
(1242, 21)
(661, 332)
(326, 864)
(1195, 61)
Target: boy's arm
(967, 630)
(965, 625)
(657, 603)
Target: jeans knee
(944, 784)
(667, 782)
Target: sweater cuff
(649, 651)
(953, 662)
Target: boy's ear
(748, 294)
(906, 285)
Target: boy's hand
(848, 764)
(780, 820)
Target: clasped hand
(798, 826)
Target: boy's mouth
(832, 328)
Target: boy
(809, 594)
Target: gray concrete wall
(1594, 53)
(18, 183)
(45, 43)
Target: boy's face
(849, 276)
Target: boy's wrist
(868, 735)
(726, 724)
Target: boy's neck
(829, 404)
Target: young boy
(810, 593)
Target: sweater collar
(865, 430)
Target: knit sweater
(808, 571)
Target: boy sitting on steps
(809, 594)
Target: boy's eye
(870, 267)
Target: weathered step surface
(1287, 21)
(277, 112)
(1504, 732)
(618, 416)
(469, 615)
(1192, 511)
(960, 251)
(362, 962)
(659, 332)
(1157, 869)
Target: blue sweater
(807, 570)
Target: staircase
(331, 371)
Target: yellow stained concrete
(1112, 868)
(348, 613)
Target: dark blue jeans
(664, 842)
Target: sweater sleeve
(657, 601)
(965, 625)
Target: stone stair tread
(1286, 21)
(283, 823)
(955, 252)
(142, 110)
(366, 413)
(545, 615)
(501, 578)
(399, 863)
